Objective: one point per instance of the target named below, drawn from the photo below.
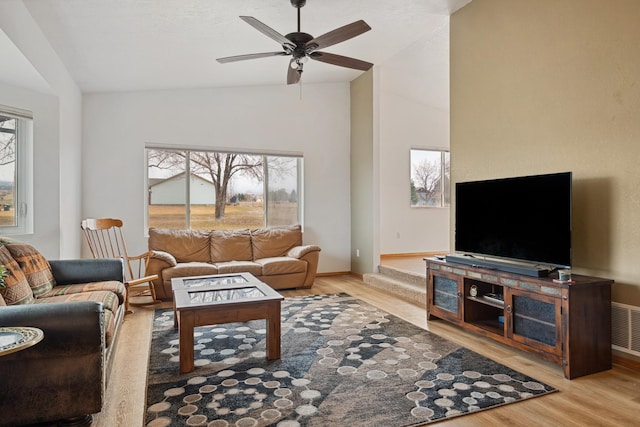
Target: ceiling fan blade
(249, 56)
(268, 31)
(293, 76)
(342, 61)
(338, 35)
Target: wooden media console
(565, 323)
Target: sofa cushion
(281, 265)
(108, 299)
(275, 241)
(17, 289)
(188, 269)
(184, 245)
(34, 266)
(239, 267)
(231, 245)
(111, 285)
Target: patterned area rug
(344, 363)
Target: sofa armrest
(71, 271)
(300, 251)
(163, 256)
(310, 254)
(157, 262)
(62, 376)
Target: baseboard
(413, 254)
(334, 273)
(626, 362)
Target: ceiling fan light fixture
(298, 63)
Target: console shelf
(565, 323)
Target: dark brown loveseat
(79, 305)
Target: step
(407, 291)
(409, 277)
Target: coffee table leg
(273, 331)
(185, 326)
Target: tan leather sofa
(275, 255)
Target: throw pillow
(34, 266)
(16, 290)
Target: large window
(204, 190)
(16, 140)
(430, 178)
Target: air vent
(625, 328)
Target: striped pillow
(34, 266)
(17, 289)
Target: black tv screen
(524, 218)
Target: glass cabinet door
(534, 320)
(444, 295)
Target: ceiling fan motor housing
(300, 40)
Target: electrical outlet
(358, 253)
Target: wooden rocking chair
(105, 239)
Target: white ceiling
(121, 45)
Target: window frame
(264, 154)
(23, 175)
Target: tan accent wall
(362, 175)
(542, 86)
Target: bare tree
(427, 176)
(219, 167)
(7, 140)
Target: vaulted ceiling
(121, 45)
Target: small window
(204, 190)
(16, 190)
(430, 178)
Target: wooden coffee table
(225, 303)
(207, 282)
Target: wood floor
(609, 398)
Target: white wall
(414, 113)
(117, 126)
(98, 170)
(56, 104)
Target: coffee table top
(219, 295)
(212, 280)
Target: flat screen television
(525, 218)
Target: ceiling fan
(302, 46)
